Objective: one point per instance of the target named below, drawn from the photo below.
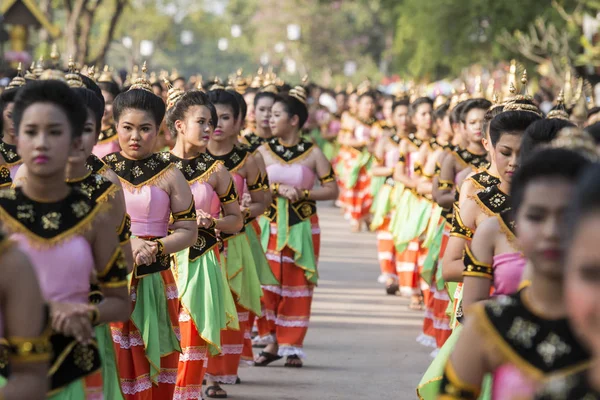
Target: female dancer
(357, 196)
(293, 165)
(207, 306)
(147, 345)
(52, 221)
(240, 266)
(108, 142)
(580, 289)
(522, 339)
(23, 323)
(9, 156)
(263, 103)
(387, 155)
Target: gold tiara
(577, 140)
(559, 111)
(18, 80)
(299, 93)
(39, 67)
(106, 76)
(142, 82)
(217, 85)
(73, 79)
(52, 75)
(29, 74)
(240, 84)
(173, 93)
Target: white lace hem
(225, 379)
(426, 340)
(232, 349)
(127, 341)
(285, 351)
(263, 340)
(139, 385)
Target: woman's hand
(204, 219)
(72, 319)
(291, 193)
(144, 251)
(246, 200)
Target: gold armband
(459, 229)
(115, 273)
(256, 186)
(445, 185)
(453, 388)
(330, 177)
(230, 195)
(265, 182)
(189, 214)
(275, 188)
(306, 194)
(94, 315)
(124, 231)
(476, 268)
(25, 350)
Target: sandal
(269, 358)
(392, 289)
(215, 392)
(293, 365)
(416, 305)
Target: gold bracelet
(275, 187)
(306, 194)
(94, 315)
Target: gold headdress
(54, 56)
(349, 88)
(364, 87)
(106, 76)
(522, 101)
(464, 93)
(142, 82)
(52, 74)
(299, 93)
(478, 91)
(440, 101)
(241, 85)
(496, 101)
(91, 73)
(230, 86)
(490, 90)
(577, 140)
(173, 93)
(18, 80)
(269, 84)
(257, 81)
(73, 79)
(200, 85)
(559, 111)
(216, 84)
(39, 67)
(29, 74)
(174, 75)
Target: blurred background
(334, 42)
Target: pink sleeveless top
(508, 270)
(149, 208)
(13, 171)
(391, 156)
(335, 126)
(103, 149)
(362, 132)
(64, 270)
(205, 198)
(240, 183)
(296, 175)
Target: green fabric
(229, 303)
(110, 378)
(299, 239)
(352, 174)
(151, 317)
(241, 273)
(440, 283)
(329, 148)
(382, 205)
(265, 275)
(410, 221)
(429, 387)
(201, 292)
(73, 391)
(265, 232)
(377, 183)
(432, 259)
(433, 227)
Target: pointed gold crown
(364, 87)
(299, 93)
(91, 73)
(29, 74)
(559, 112)
(240, 84)
(173, 93)
(257, 81)
(439, 101)
(73, 79)
(142, 82)
(478, 90)
(577, 140)
(230, 85)
(522, 101)
(54, 56)
(216, 84)
(496, 101)
(106, 76)
(39, 67)
(52, 74)
(200, 85)
(18, 80)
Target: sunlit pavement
(360, 344)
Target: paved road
(361, 343)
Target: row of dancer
(151, 266)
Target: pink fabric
(104, 149)
(240, 183)
(391, 156)
(296, 175)
(362, 132)
(410, 163)
(335, 126)
(149, 208)
(205, 198)
(63, 270)
(13, 170)
(508, 269)
(510, 383)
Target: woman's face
(366, 107)
(423, 118)
(353, 102)
(262, 112)
(582, 282)
(89, 137)
(226, 126)
(196, 127)
(540, 222)
(387, 109)
(280, 122)
(400, 118)
(137, 132)
(506, 155)
(340, 101)
(473, 125)
(44, 135)
(9, 127)
(107, 118)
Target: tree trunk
(74, 12)
(106, 41)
